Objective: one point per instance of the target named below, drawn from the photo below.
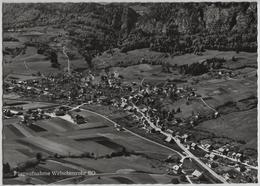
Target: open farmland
(67, 139)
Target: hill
(166, 27)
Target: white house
(196, 173)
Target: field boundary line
(135, 133)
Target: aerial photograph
(129, 93)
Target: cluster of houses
(184, 166)
(8, 113)
(216, 156)
(212, 152)
(30, 116)
(224, 151)
(146, 98)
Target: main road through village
(188, 153)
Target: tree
(123, 149)
(39, 156)
(172, 32)
(183, 178)
(175, 181)
(6, 168)
(39, 73)
(71, 55)
(166, 67)
(28, 180)
(242, 168)
(88, 58)
(54, 59)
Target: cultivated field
(58, 136)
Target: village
(143, 102)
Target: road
(220, 178)
(232, 159)
(114, 123)
(207, 105)
(188, 178)
(166, 134)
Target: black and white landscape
(129, 93)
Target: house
(128, 108)
(233, 154)
(119, 128)
(216, 151)
(169, 131)
(238, 156)
(123, 104)
(185, 136)
(208, 164)
(176, 169)
(168, 139)
(225, 151)
(212, 156)
(174, 122)
(143, 110)
(149, 129)
(221, 150)
(193, 146)
(238, 169)
(208, 147)
(229, 154)
(196, 174)
(226, 176)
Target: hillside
(166, 27)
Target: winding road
(220, 178)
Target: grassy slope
(237, 125)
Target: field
(69, 139)
(130, 178)
(237, 125)
(133, 57)
(27, 104)
(29, 61)
(220, 92)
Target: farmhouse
(197, 174)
